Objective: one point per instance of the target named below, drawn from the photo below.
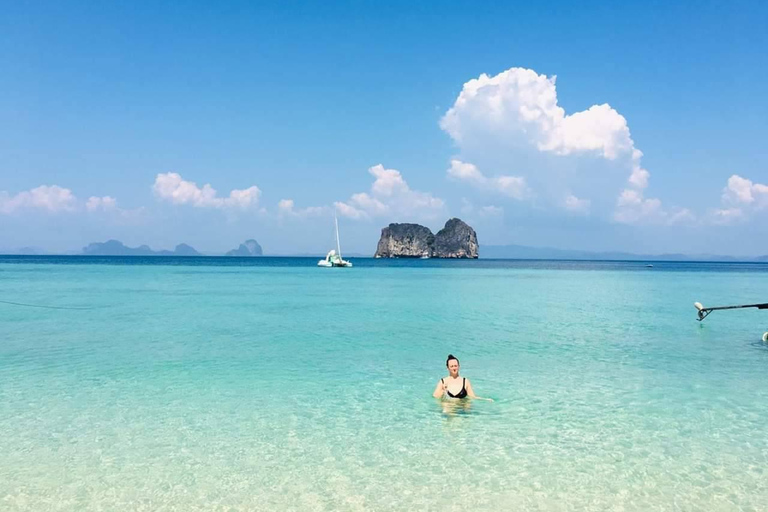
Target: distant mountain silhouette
(248, 248)
(25, 251)
(547, 253)
(116, 248)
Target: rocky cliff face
(405, 241)
(456, 240)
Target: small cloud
(681, 216)
(741, 199)
(48, 198)
(510, 186)
(388, 181)
(462, 171)
(171, 187)
(285, 207)
(390, 195)
(576, 205)
(743, 191)
(633, 208)
(369, 204)
(105, 203)
(639, 177)
(727, 216)
(349, 211)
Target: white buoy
(765, 337)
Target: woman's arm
(439, 389)
(471, 393)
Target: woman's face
(453, 367)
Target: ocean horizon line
(160, 257)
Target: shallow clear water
(213, 384)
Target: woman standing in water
(453, 386)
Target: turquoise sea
(270, 384)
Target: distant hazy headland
(248, 248)
(117, 248)
(548, 253)
(394, 239)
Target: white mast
(338, 245)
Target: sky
(632, 126)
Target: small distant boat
(425, 257)
(649, 266)
(333, 258)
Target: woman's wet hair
(451, 356)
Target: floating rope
(43, 307)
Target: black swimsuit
(460, 394)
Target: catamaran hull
(328, 264)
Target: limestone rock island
(456, 240)
(405, 241)
(248, 248)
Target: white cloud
(390, 195)
(510, 116)
(740, 199)
(521, 104)
(576, 205)
(633, 208)
(366, 203)
(639, 176)
(681, 216)
(55, 199)
(242, 198)
(346, 210)
(511, 186)
(285, 207)
(105, 203)
(171, 187)
(388, 181)
(738, 190)
(761, 193)
(462, 171)
(49, 198)
(743, 191)
(727, 216)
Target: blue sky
(113, 117)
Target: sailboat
(333, 258)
